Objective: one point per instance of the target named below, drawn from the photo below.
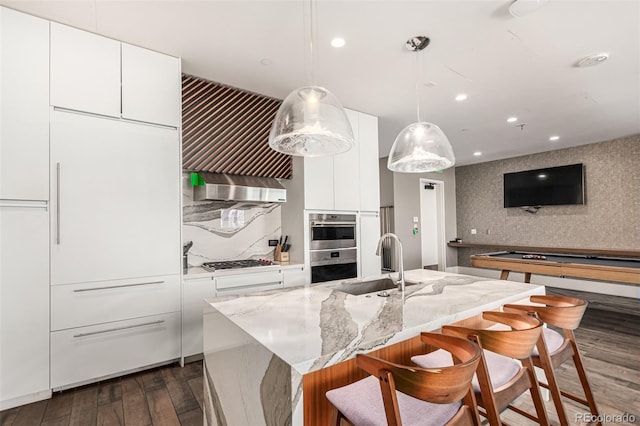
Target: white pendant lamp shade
(311, 122)
(419, 148)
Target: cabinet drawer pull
(58, 203)
(118, 329)
(116, 286)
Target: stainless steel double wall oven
(333, 247)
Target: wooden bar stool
(554, 348)
(500, 377)
(401, 395)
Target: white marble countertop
(313, 327)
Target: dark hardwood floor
(168, 395)
(609, 338)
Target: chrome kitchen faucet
(400, 281)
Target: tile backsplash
(227, 230)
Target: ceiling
(507, 66)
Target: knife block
(279, 255)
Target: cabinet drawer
(88, 353)
(248, 280)
(77, 305)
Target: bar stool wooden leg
(552, 382)
(582, 375)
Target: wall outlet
(273, 243)
(474, 231)
(488, 231)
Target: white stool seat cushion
(553, 339)
(501, 368)
(361, 402)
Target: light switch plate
(473, 231)
(415, 219)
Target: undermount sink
(363, 287)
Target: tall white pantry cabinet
(95, 123)
(24, 208)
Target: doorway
(432, 224)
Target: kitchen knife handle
(58, 203)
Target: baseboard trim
(25, 399)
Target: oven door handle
(321, 224)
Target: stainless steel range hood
(220, 186)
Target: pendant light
(420, 147)
(311, 121)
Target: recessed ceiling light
(266, 61)
(591, 60)
(461, 97)
(477, 153)
(338, 42)
(554, 138)
(512, 119)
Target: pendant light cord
(418, 66)
(312, 34)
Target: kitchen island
(264, 351)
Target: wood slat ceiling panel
(226, 130)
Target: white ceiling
(507, 66)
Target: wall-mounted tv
(545, 187)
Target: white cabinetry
(85, 71)
(24, 215)
(370, 263)
(151, 86)
(115, 199)
(293, 276)
(347, 181)
(369, 163)
(80, 355)
(99, 75)
(24, 110)
(24, 302)
(246, 282)
(115, 247)
(194, 292)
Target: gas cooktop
(233, 264)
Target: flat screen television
(545, 187)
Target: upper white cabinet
(24, 109)
(99, 75)
(369, 169)
(85, 71)
(347, 181)
(151, 86)
(346, 171)
(114, 198)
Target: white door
(115, 199)
(85, 71)
(370, 263)
(369, 163)
(24, 110)
(151, 86)
(24, 299)
(346, 172)
(432, 224)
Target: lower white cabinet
(77, 305)
(24, 302)
(293, 276)
(370, 263)
(194, 291)
(248, 282)
(85, 354)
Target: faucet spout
(398, 254)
